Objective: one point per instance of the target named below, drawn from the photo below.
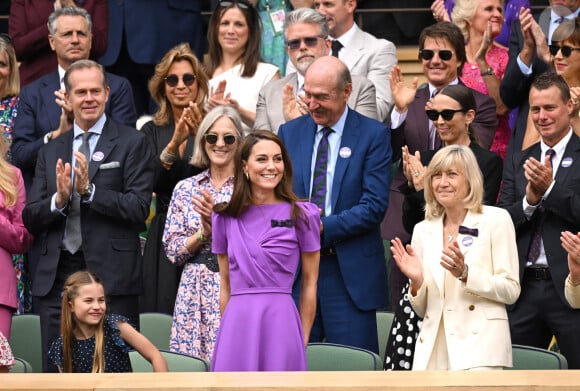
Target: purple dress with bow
(261, 329)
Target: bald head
(327, 85)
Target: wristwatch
(489, 72)
(88, 191)
(47, 137)
(463, 275)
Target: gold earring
(247, 176)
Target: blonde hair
(68, 322)
(463, 11)
(8, 177)
(181, 52)
(13, 81)
(464, 160)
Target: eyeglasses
(173, 80)
(446, 114)
(566, 50)
(239, 3)
(428, 54)
(212, 138)
(294, 44)
(6, 37)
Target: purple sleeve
(511, 13)
(219, 240)
(308, 232)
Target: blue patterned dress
(196, 318)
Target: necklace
(450, 233)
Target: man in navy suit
(542, 195)
(352, 281)
(43, 113)
(113, 179)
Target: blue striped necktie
(318, 195)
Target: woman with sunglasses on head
(233, 61)
(452, 112)
(188, 232)
(179, 87)
(260, 237)
(462, 265)
(18, 287)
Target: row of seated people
(365, 296)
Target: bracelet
(200, 236)
(489, 72)
(463, 275)
(572, 282)
(166, 157)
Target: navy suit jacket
(110, 224)
(360, 196)
(561, 208)
(39, 114)
(152, 27)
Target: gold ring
(416, 173)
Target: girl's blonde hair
(8, 176)
(68, 322)
(464, 161)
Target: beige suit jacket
(270, 110)
(474, 315)
(572, 294)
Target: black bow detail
(468, 231)
(282, 223)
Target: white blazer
(475, 319)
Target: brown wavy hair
(181, 52)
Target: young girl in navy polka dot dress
(92, 341)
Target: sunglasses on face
(212, 138)
(173, 80)
(446, 114)
(294, 44)
(239, 3)
(428, 54)
(566, 50)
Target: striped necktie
(318, 195)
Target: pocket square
(108, 166)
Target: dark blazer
(110, 224)
(359, 200)
(561, 208)
(29, 31)
(151, 27)
(414, 133)
(38, 114)
(490, 165)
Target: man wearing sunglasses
(363, 53)
(442, 54)
(356, 175)
(43, 113)
(306, 34)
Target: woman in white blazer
(571, 244)
(463, 267)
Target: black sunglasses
(173, 80)
(447, 114)
(6, 37)
(566, 50)
(212, 138)
(428, 54)
(239, 3)
(294, 44)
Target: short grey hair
(307, 15)
(68, 11)
(200, 158)
(84, 64)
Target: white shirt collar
(61, 73)
(345, 38)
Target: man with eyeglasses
(526, 51)
(442, 54)
(306, 34)
(363, 54)
(88, 203)
(43, 113)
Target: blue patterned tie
(536, 243)
(318, 195)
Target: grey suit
(270, 110)
(365, 55)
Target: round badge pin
(98, 156)
(345, 152)
(467, 241)
(567, 161)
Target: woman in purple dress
(259, 237)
